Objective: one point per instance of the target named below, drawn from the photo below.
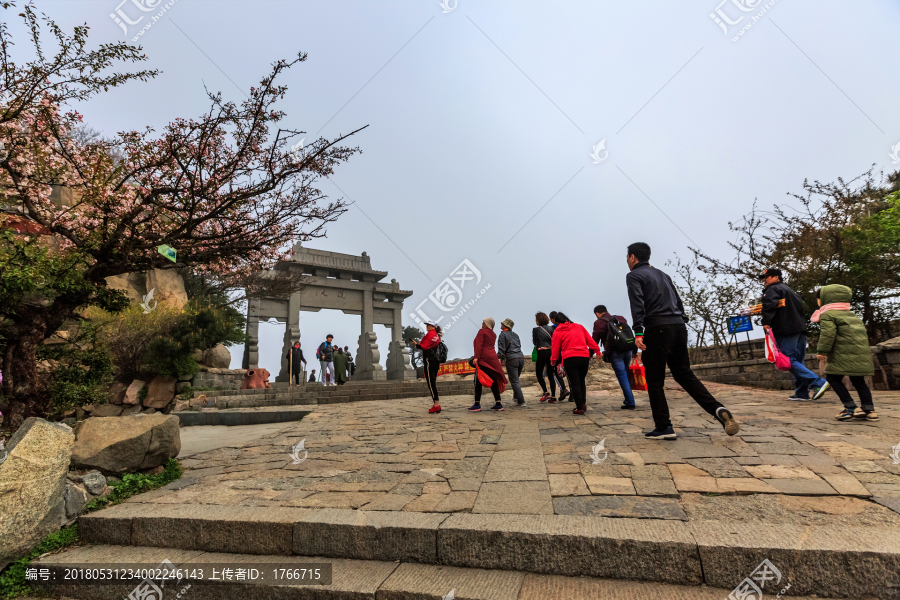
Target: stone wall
(755, 373)
(221, 378)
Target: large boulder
(117, 393)
(160, 392)
(217, 357)
(81, 489)
(131, 394)
(126, 444)
(33, 485)
(167, 286)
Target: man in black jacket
(660, 333)
(782, 312)
(295, 357)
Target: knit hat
(508, 323)
(489, 322)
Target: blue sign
(739, 324)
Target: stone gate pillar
(368, 359)
(398, 366)
(291, 335)
(251, 346)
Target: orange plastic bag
(637, 378)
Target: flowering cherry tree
(225, 190)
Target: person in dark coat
(295, 357)
(509, 350)
(656, 306)
(485, 359)
(782, 312)
(542, 338)
(340, 366)
(312, 377)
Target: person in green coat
(340, 367)
(843, 341)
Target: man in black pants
(660, 333)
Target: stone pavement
(791, 463)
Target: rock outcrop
(217, 357)
(160, 392)
(167, 286)
(33, 485)
(126, 444)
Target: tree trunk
(26, 393)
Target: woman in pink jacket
(571, 346)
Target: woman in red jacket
(430, 364)
(486, 360)
(571, 342)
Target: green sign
(167, 251)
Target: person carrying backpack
(660, 333)
(619, 356)
(431, 361)
(560, 381)
(509, 349)
(326, 350)
(843, 341)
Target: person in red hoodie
(486, 360)
(430, 362)
(571, 342)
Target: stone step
(839, 561)
(239, 416)
(350, 579)
(352, 388)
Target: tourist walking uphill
(326, 351)
(782, 311)
(560, 381)
(509, 350)
(542, 338)
(430, 363)
(844, 343)
(571, 347)
(340, 366)
(618, 359)
(660, 332)
(486, 361)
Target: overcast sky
(482, 121)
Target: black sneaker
(723, 415)
(552, 400)
(497, 406)
(661, 434)
(628, 407)
(475, 408)
(797, 398)
(565, 394)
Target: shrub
(128, 334)
(83, 375)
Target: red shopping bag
(774, 355)
(486, 381)
(636, 376)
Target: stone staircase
(406, 555)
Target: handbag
(774, 355)
(560, 370)
(534, 355)
(637, 377)
(483, 377)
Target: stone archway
(344, 282)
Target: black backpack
(440, 352)
(619, 336)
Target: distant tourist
(571, 347)
(312, 376)
(340, 366)
(844, 342)
(321, 364)
(660, 332)
(485, 359)
(509, 350)
(326, 351)
(430, 363)
(782, 312)
(295, 357)
(542, 338)
(350, 365)
(618, 360)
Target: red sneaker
(552, 400)
(435, 409)
(578, 411)
(545, 397)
